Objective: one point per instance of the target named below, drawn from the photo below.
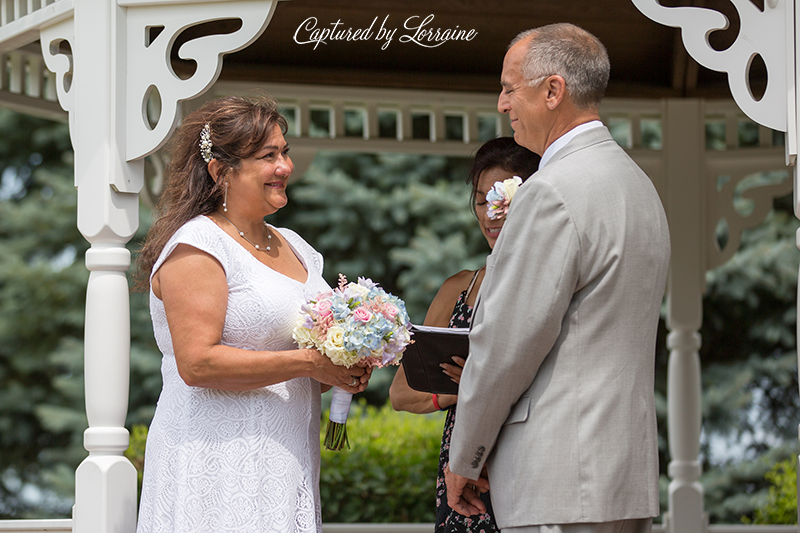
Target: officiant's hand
(454, 370)
(463, 494)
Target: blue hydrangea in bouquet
(355, 323)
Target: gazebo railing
(359, 119)
(344, 117)
(65, 526)
(26, 85)
(21, 20)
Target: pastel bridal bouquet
(499, 197)
(356, 323)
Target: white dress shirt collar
(567, 137)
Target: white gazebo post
(683, 135)
(108, 63)
(771, 35)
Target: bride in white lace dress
(234, 443)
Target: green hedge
(389, 472)
(387, 475)
(781, 504)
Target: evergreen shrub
(781, 504)
(389, 472)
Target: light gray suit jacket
(558, 392)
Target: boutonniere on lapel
(499, 197)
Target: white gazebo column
(105, 491)
(684, 146)
(107, 64)
(768, 31)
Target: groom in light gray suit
(557, 395)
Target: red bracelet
(435, 399)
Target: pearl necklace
(241, 234)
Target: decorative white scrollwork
(723, 209)
(761, 34)
(57, 44)
(148, 63)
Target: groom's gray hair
(571, 52)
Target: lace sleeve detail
(198, 234)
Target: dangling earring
(225, 198)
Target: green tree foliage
(42, 299)
(402, 220)
(750, 388)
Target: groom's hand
(463, 494)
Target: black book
(431, 347)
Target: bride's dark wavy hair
(239, 128)
(505, 153)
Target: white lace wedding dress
(221, 461)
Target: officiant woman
(497, 160)
(234, 443)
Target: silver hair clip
(205, 143)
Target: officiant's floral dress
(447, 520)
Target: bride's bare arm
(192, 285)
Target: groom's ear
(556, 91)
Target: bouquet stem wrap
(336, 435)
